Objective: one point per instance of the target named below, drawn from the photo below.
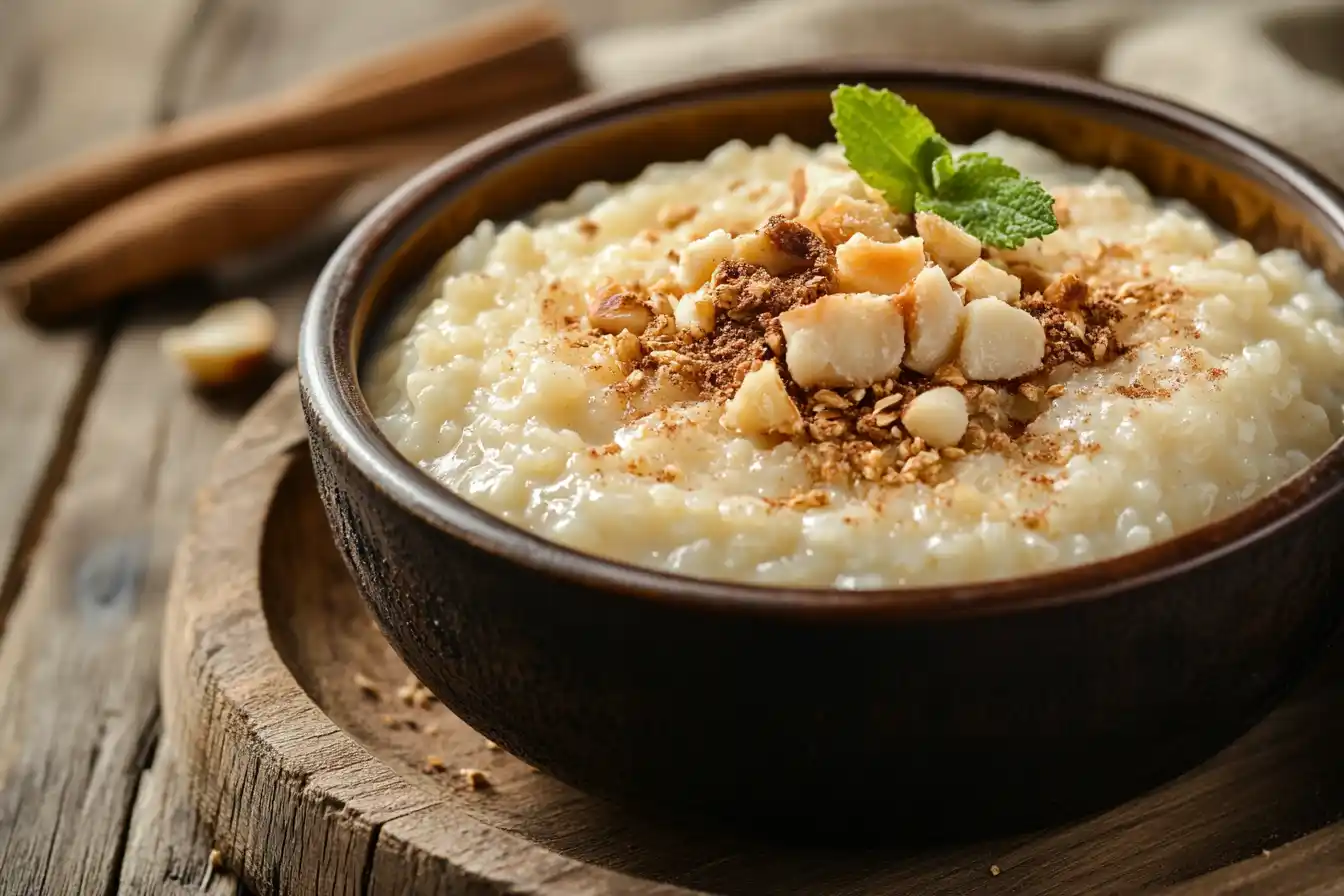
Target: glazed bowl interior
(1246, 187)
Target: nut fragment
(1000, 342)
(225, 344)
(848, 216)
(937, 416)
(865, 265)
(621, 311)
(757, 248)
(824, 184)
(762, 404)
(982, 280)
(695, 314)
(700, 257)
(946, 243)
(849, 339)
(933, 321)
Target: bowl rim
(329, 377)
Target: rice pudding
(750, 368)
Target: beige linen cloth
(1275, 67)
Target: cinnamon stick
(507, 59)
(195, 219)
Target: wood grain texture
(71, 74)
(296, 806)
(273, 633)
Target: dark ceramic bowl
(933, 708)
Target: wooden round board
(319, 769)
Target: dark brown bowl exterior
(937, 709)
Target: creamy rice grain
(496, 386)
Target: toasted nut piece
(824, 184)
(1000, 342)
(621, 311)
(700, 257)
(757, 248)
(946, 243)
(853, 339)
(982, 280)
(762, 404)
(937, 416)
(865, 265)
(848, 216)
(225, 344)
(695, 314)
(933, 321)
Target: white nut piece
(848, 216)
(865, 265)
(937, 416)
(824, 184)
(933, 321)
(695, 314)
(999, 341)
(982, 280)
(852, 339)
(620, 311)
(225, 344)
(946, 243)
(762, 404)
(700, 257)
(757, 248)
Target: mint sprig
(897, 151)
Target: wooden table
(101, 446)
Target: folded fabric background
(1275, 67)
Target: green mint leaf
(989, 199)
(888, 142)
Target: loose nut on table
(224, 345)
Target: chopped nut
(695, 314)
(434, 765)
(889, 402)
(865, 265)
(762, 404)
(947, 244)
(367, 687)
(224, 345)
(828, 399)
(849, 216)
(856, 395)
(994, 870)
(491, 745)
(1000, 342)
(216, 859)
(937, 416)
(885, 419)
(1030, 391)
(662, 303)
(475, 778)
(824, 184)
(844, 340)
(628, 349)
(757, 248)
(1055, 391)
(982, 280)
(620, 311)
(701, 257)
(933, 321)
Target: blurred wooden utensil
(506, 64)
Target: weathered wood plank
(164, 855)
(1311, 866)
(79, 714)
(71, 74)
